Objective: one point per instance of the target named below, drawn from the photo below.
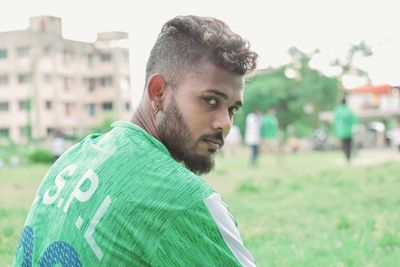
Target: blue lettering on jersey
(58, 252)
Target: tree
(347, 66)
(296, 91)
(105, 125)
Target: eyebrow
(224, 96)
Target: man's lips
(214, 143)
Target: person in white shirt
(395, 132)
(253, 136)
(57, 146)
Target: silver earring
(156, 111)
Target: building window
(92, 84)
(65, 56)
(106, 81)
(48, 78)
(67, 109)
(107, 105)
(3, 106)
(3, 53)
(3, 79)
(24, 131)
(23, 105)
(24, 77)
(23, 51)
(50, 131)
(48, 105)
(47, 50)
(92, 109)
(105, 57)
(126, 57)
(4, 132)
(90, 60)
(68, 56)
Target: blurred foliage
(41, 156)
(347, 66)
(295, 90)
(105, 125)
(248, 186)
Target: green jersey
(120, 199)
(344, 122)
(269, 126)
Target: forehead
(208, 77)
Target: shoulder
(204, 235)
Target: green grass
(297, 210)
(17, 189)
(314, 210)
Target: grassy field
(298, 210)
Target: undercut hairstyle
(185, 41)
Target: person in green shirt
(344, 120)
(269, 131)
(134, 196)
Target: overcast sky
(270, 26)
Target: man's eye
(234, 110)
(211, 101)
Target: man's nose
(223, 122)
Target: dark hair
(185, 40)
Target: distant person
(344, 120)
(134, 196)
(269, 131)
(395, 133)
(253, 135)
(15, 161)
(58, 146)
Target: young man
(133, 197)
(253, 135)
(269, 131)
(344, 120)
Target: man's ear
(156, 87)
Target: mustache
(216, 138)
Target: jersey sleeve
(204, 235)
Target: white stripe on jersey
(226, 226)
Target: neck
(143, 117)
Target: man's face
(198, 115)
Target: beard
(176, 136)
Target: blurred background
(70, 68)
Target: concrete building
(48, 83)
(374, 102)
(370, 103)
